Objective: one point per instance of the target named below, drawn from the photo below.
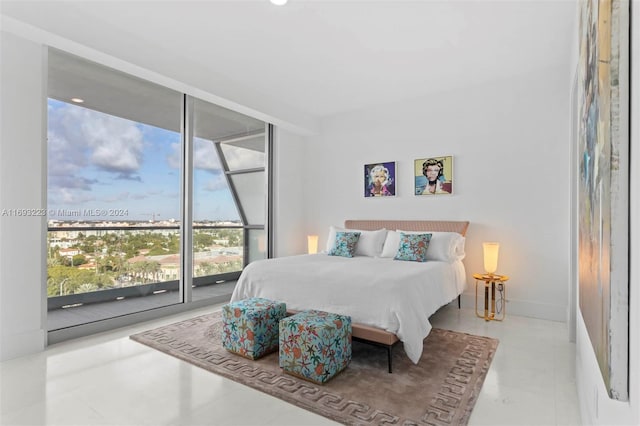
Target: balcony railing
(99, 263)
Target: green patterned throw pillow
(413, 247)
(345, 245)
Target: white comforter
(393, 295)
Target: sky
(110, 168)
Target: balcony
(77, 311)
(106, 270)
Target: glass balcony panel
(217, 251)
(251, 189)
(245, 153)
(257, 244)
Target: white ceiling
(318, 58)
(122, 95)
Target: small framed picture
(380, 179)
(433, 176)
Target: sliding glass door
(113, 193)
(223, 238)
(143, 180)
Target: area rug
(440, 390)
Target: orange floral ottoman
(250, 326)
(315, 345)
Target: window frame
(186, 280)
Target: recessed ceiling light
(77, 100)
(279, 2)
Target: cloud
(71, 182)
(217, 183)
(64, 158)
(240, 158)
(147, 194)
(117, 143)
(205, 156)
(173, 159)
(118, 197)
(126, 176)
(79, 137)
(66, 196)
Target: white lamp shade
(490, 257)
(312, 244)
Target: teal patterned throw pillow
(413, 247)
(345, 244)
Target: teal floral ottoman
(250, 326)
(315, 345)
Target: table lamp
(490, 257)
(312, 244)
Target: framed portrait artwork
(433, 175)
(380, 179)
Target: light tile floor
(532, 377)
(108, 379)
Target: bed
(388, 300)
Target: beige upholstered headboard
(409, 225)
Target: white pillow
(369, 244)
(391, 244)
(444, 246)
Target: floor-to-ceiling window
(141, 182)
(223, 237)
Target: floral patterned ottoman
(315, 345)
(250, 326)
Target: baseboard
(524, 308)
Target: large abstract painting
(603, 209)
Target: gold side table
(490, 281)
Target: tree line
(111, 254)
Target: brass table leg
(493, 299)
(486, 302)
(477, 314)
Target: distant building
(69, 252)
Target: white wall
(23, 173)
(596, 407)
(22, 186)
(289, 208)
(509, 142)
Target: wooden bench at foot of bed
(375, 336)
